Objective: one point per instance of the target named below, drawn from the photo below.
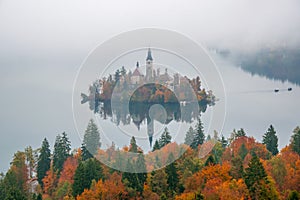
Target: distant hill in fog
(280, 64)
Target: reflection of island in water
(139, 113)
(132, 97)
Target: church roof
(136, 72)
(149, 56)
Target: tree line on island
(120, 86)
(235, 168)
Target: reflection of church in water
(163, 113)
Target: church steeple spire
(149, 56)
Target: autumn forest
(238, 167)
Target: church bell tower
(149, 66)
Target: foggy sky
(43, 43)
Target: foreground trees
(91, 139)
(258, 184)
(295, 140)
(86, 172)
(242, 169)
(61, 151)
(44, 160)
(270, 139)
(198, 137)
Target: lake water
(251, 103)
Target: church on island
(152, 75)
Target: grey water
(33, 107)
(251, 103)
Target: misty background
(43, 44)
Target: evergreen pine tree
(91, 139)
(172, 175)
(128, 176)
(224, 142)
(240, 133)
(199, 135)
(295, 140)
(44, 161)
(78, 185)
(210, 161)
(243, 151)
(270, 139)
(86, 172)
(254, 173)
(85, 154)
(293, 195)
(189, 137)
(158, 182)
(237, 168)
(156, 146)
(61, 151)
(14, 186)
(133, 146)
(208, 138)
(165, 138)
(257, 181)
(141, 175)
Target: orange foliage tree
(234, 190)
(68, 170)
(50, 182)
(112, 188)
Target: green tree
(210, 161)
(158, 182)
(217, 151)
(208, 138)
(128, 176)
(44, 161)
(141, 175)
(79, 179)
(189, 137)
(293, 195)
(14, 186)
(117, 75)
(240, 133)
(86, 172)
(123, 71)
(9, 190)
(270, 139)
(243, 151)
(199, 135)
(224, 142)
(172, 175)
(295, 140)
(61, 151)
(91, 139)
(237, 168)
(165, 138)
(85, 154)
(156, 146)
(257, 181)
(133, 146)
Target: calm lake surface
(251, 104)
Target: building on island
(153, 75)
